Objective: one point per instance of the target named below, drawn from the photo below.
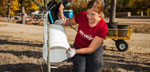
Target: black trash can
(123, 33)
(113, 25)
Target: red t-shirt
(85, 33)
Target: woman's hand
(60, 13)
(67, 21)
(71, 52)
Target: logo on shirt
(89, 37)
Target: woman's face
(93, 17)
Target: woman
(87, 54)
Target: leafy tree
(79, 5)
(15, 6)
(30, 6)
(142, 5)
(135, 6)
(3, 7)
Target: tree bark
(23, 11)
(9, 10)
(112, 11)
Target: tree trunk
(9, 10)
(23, 11)
(113, 11)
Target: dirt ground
(21, 49)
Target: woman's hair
(97, 5)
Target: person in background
(87, 53)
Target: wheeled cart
(119, 35)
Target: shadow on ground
(109, 61)
(119, 62)
(2, 42)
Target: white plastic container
(58, 44)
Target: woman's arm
(68, 21)
(97, 41)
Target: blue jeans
(88, 62)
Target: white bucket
(58, 44)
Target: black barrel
(113, 25)
(123, 33)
